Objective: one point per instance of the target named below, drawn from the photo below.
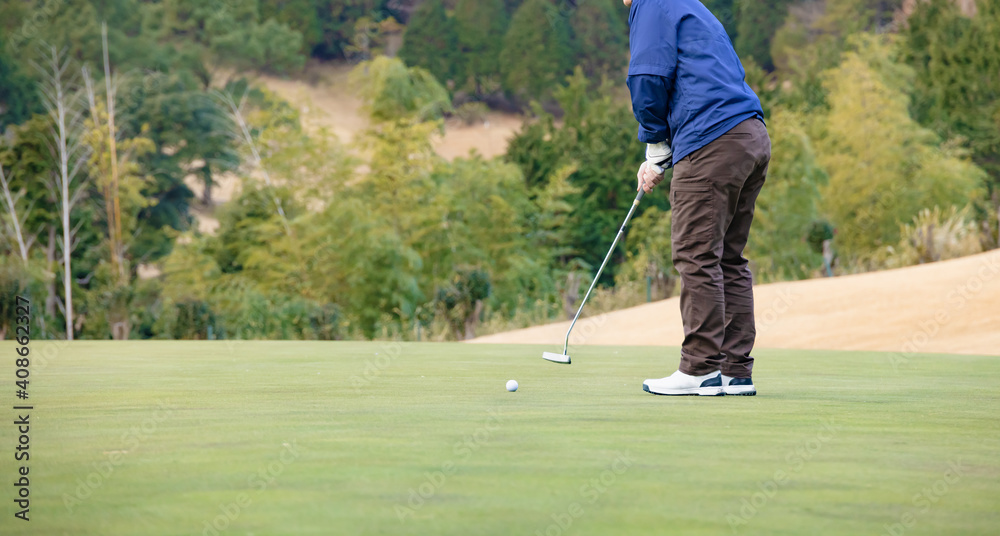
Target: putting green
(262, 438)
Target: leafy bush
(189, 319)
(472, 113)
(28, 282)
(392, 92)
(935, 235)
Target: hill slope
(951, 306)
(333, 103)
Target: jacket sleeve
(649, 105)
(652, 41)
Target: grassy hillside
(378, 438)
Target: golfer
(697, 114)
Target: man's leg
(704, 195)
(740, 331)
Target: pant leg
(705, 196)
(741, 329)
(696, 241)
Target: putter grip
(638, 196)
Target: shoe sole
(741, 390)
(696, 391)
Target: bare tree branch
(15, 221)
(63, 107)
(236, 112)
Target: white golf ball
(512, 385)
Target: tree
(18, 97)
(536, 52)
(430, 41)
(813, 37)
(24, 281)
(602, 40)
(957, 83)
(114, 169)
(788, 205)
(267, 47)
(598, 141)
(725, 11)
(234, 33)
(63, 105)
(13, 225)
(480, 28)
(883, 167)
(392, 92)
(757, 23)
(481, 223)
(329, 28)
(308, 17)
(30, 168)
(650, 253)
(461, 301)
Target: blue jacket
(687, 82)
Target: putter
(563, 358)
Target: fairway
(269, 438)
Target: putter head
(562, 359)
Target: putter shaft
(635, 204)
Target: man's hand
(658, 156)
(648, 178)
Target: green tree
(602, 40)
(649, 257)
(461, 301)
(725, 11)
(757, 23)
(355, 258)
(29, 168)
(26, 282)
(813, 37)
(480, 25)
(392, 92)
(957, 83)
(268, 47)
(883, 167)
(597, 140)
(188, 127)
(536, 52)
(339, 18)
(308, 17)
(788, 205)
(430, 41)
(18, 99)
(232, 32)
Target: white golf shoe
(679, 384)
(738, 386)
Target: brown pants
(712, 195)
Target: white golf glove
(658, 156)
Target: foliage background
(884, 117)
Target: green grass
(853, 441)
